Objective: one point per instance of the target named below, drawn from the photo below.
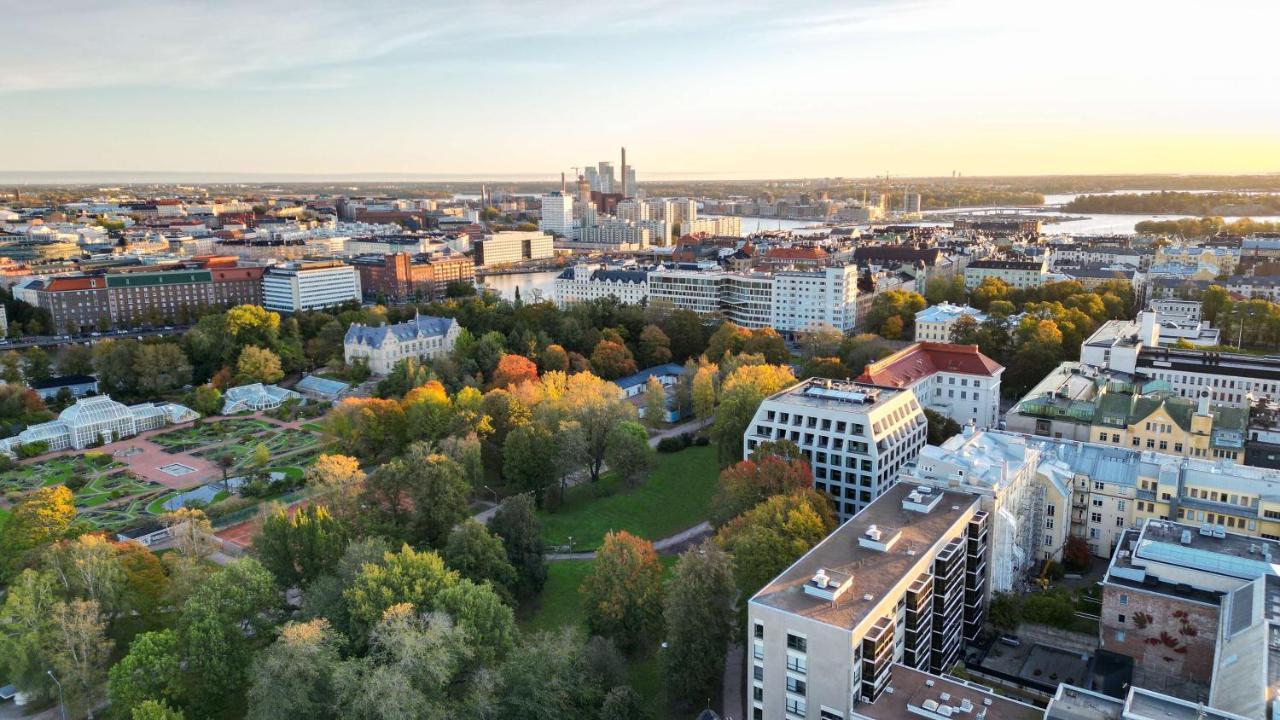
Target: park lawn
(4, 513)
(559, 605)
(675, 496)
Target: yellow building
(1166, 423)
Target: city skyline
(697, 90)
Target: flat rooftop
(913, 690)
(1145, 704)
(1074, 703)
(836, 394)
(874, 572)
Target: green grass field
(674, 497)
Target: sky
(694, 89)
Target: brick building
(402, 276)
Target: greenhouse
(255, 397)
(98, 420)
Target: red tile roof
(796, 253)
(75, 283)
(923, 359)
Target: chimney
(624, 173)
(563, 187)
(1203, 404)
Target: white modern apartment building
(613, 234)
(1019, 274)
(893, 593)
(788, 300)
(309, 285)
(934, 323)
(557, 214)
(1173, 308)
(424, 337)
(633, 210)
(856, 436)
(582, 283)
(955, 380)
(805, 299)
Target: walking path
(684, 536)
(733, 679)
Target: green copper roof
(182, 277)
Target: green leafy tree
(546, 678)
(75, 359)
(36, 365)
(11, 367)
(629, 454)
(554, 359)
(40, 517)
(407, 576)
(516, 524)
(206, 400)
(529, 458)
(704, 392)
(698, 615)
(479, 555)
(654, 346)
(298, 549)
(622, 595)
(25, 626)
(155, 710)
(941, 427)
(420, 495)
(113, 364)
(150, 671)
(293, 678)
(766, 539)
(623, 703)
(78, 651)
(161, 368)
(216, 629)
(490, 623)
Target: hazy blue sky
(752, 88)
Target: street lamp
(62, 699)
(495, 493)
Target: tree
(1076, 555)
(429, 413)
(1213, 301)
(78, 649)
(298, 549)
(622, 594)
(88, 567)
(513, 370)
(113, 364)
(418, 667)
(161, 368)
(479, 555)
(294, 676)
(748, 483)
(216, 629)
(629, 454)
(894, 303)
(516, 524)
(611, 360)
(728, 339)
(150, 671)
(654, 346)
(408, 576)
(25, 625)
(40, 517)
(529, 460)
(546, 678)
(36, 365)
(698, 614)
(155, 710)
(941, 427)
(704, 392)
(767, 343)
(766, 539)
(429, 485)
(11, 367)
(655, 402)
(258, 365)
(338, 479)
(597, 407)
(1006, 611)
(261, 456)
(145, 582)
(554, 359)
(623, 703)
(191, 533)
(75, 359)
(206, 400)
(892, 327)
(490, 623)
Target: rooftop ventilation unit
(966, 705)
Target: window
(1124, 599)
(796, 685)
(757, 714)
(1048, 523)
(796, 706)
(797, 664)
(757, 694)
(1120, 618)
(758, 650)
(758, 672)
(1095, 517)
(1119, 636)
(1120, 505)
(1094, 535)
(797, 643)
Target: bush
(1052, 607)
(76, 483)
(702, 441)
(670, 445)
(232, 504)
(98, 459)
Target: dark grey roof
(422, 326)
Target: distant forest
(1178, 203)
(1205, 227)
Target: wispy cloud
(192, 43)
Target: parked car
(1010, 640)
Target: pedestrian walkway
(684, 536)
